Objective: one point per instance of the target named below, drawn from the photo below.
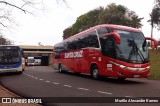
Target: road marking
(32, 76)
(35, 78)
(104, 92)
(83, 89)
(128, 96)
(68, 86)
(48, 81)
(55, 83)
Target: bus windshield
(9, 55)
(30, 60)
(133, 47)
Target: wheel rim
(95, 73)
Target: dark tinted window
(108, 46)
(93, 40)
(58, 48)
(57, 56)
(10, 55)
(102, 31)
(88, 40)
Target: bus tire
(20, 72)
(95, 72)
(121, 79)
(60, 68)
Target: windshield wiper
(135, 50)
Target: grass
(155, 64)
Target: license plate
(136, 76)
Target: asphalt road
(44, 82)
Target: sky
(47, 23)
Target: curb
(6, 93)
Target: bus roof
(10, 45)
(113, 26)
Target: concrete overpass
(42, 52)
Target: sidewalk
(5, 93)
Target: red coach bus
(105, 50)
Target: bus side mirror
(116, 36)
(154, 40)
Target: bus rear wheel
(95, 72)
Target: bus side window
(57, 56)
(89, 40)
(93, 40)
(102, 31)
(108, 47)
(57, 49)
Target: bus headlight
(122, 66)
(148, 67)
(130, 68)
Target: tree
(157, 3)
(67, 32)
(112, 14)
(4, 41)
(6, 9)
(86, 21)
(155, 17)
(118, 14)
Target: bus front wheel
(95, 72)
(121, 79)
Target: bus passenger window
(102, 31)
(108, 47)
(57, 56)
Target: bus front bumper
(133, 74)
(9, 70)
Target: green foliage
(112, 14)
(118, 14)
(4, 41)
(155, 64)
(155, 17)
(67, 32)
(157, 3)
(86, 21)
